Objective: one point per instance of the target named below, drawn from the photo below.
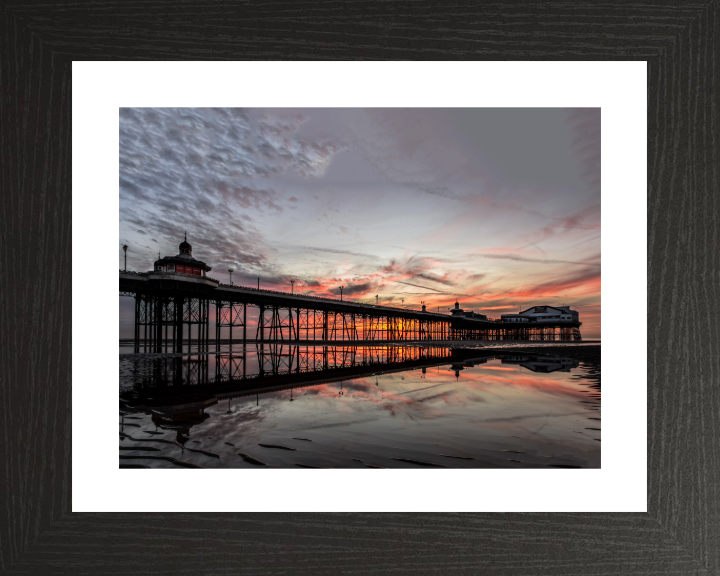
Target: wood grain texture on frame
(681, 531)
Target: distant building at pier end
(457, 311)
(540, 314)
(183, 262)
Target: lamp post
(231, 270)
(376, 299)
(341, 289)
(292, 286)
(125, 250)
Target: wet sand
(461, 413)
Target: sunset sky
(497, 208)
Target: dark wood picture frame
(680, 533)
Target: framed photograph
(364, 229)
(285, 231)
(336, 245)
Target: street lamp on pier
(125, 250)
(292, 286)
(231, 270)
(341, 289)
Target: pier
(172, 308)
(174, 300)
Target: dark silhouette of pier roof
(183, 257)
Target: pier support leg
(179, 313)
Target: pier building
(541, 314)
(183, 262)
(457, 311)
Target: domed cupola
(185, 248)
(457, 311)
(183, 263)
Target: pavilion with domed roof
(183, 262)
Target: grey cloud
(389, 142)
(474, 277)
(358, 288)
(418, 286)
(526, 259)
(337, 251)
(425, 293)
(418, 267)
(585, 219)
(586, 127)
(237, 243)
(495, 158)
(198, 169)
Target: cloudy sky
(497, 208)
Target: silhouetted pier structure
(177, 296)
(169, 304)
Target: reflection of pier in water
(182, 385)
(179, 388)
(539, 363)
